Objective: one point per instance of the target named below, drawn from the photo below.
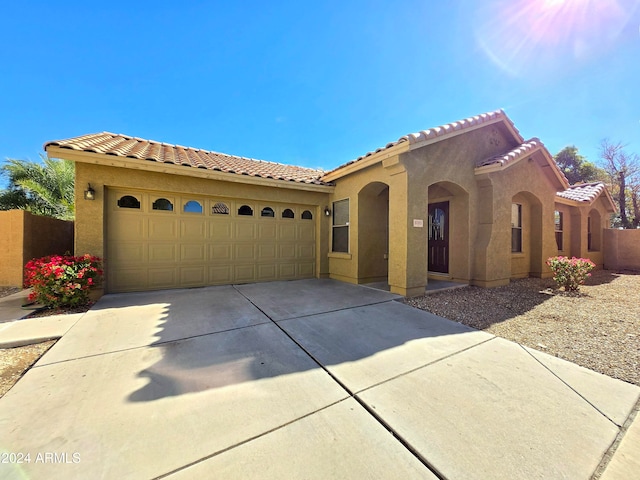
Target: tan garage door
(159, 240)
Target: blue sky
(316, 84)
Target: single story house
(471, 201)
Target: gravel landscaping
(598, 328)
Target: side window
(220, 209)
(129, 201)
(163, 204)
(558, 220)
(267, 212)
(245, 210)
(287, 213)
(307, 215)
(192, 207)
(340, 226)
(516, 228)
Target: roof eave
(366, 162)
(159, 167)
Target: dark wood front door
(438, 235)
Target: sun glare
(549, 35)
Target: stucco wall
(90, 215)
(25, 236)
(622, 249)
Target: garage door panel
(166, 277)
(192, 276)
(128, 227)
(193, 229)
(306, 233)
(306, 270)
(287, 232)
(287, 271)
(287, 252)
(220, 229)
(162, 253)
(128, 253)
(306, 252)
(267, 232)
(128, 279)
(163, 229)
(245, 252)
(244, 273)
(245, 231)
(193, 252)
(267, 252)
(267, 272)
(220, 274)
(220, 252)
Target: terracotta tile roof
(441, 131)
(149, 150)
(512, 155)
(585, 192)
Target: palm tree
(42, 188)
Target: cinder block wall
(621, 249)
(24, 236)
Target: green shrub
(570, 273)
(62, 281)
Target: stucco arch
(373, 232)
(528, 261)
(459, 226)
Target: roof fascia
(497, 167)
(367, 162)
(153, 166)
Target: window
(220, 209)
(192, 207)
(307, 215)
(589, 236)
(267, 212)
(516, 228)
(287, 213)
(128, 201)
(558, 219)
(163, 204)
(594, 231)
(340, 226)
(245, 210)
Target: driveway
(303, 379)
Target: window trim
(516, 228)
(346, 226)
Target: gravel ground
(598, 328)
(4, 291)
(14, 362)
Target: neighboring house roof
(148, 150)
(425, 137)
(587, 193)
(524, 150)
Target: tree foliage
(623, 169)
(44, 188)
(577, 168)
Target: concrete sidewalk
(313, 379)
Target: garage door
(159, 240)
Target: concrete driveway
(304, 379)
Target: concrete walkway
(306, 379)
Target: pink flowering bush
(570, 273)
(62, 280)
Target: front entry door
(438, 246)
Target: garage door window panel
(287, 213)
(192, 207)
(163, 204)
(245, 210)
(220, 209)
(129, 201)
(307, 215)
(267, 212)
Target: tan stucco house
(470, 201)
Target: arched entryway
(448, 231)
(373, 233)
